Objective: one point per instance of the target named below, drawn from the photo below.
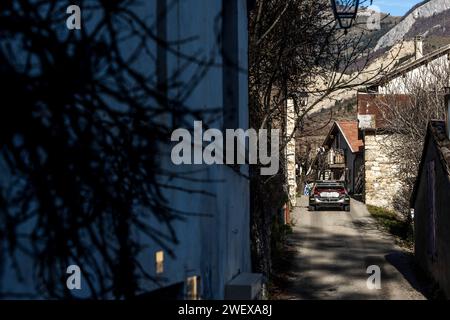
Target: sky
(395, 7)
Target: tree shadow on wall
(82, 122)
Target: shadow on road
(332, 265)
(417, 278)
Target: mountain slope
(424, 13)
(371, 37)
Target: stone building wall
(381, 182)
(290, 152)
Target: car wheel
(311, 208)
(347, 208)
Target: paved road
(333, 251)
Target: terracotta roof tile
(375, 104)
(350, 131)
(407, 67)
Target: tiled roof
(376, 105)
(439, 135)
(404, 68)
(350, 132)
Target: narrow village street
(174, 150)
(333, 250)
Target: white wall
(424, 74)
(216, 248)
(214, 245)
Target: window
(192, 288)
(431, 190)
(159, 259)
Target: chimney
(418, 44)
(447, 106)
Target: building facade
(391, 91)
(431, 204)
(381, 172)
(420, 70)
(342, 158)
(212, 247)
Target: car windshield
(330, 188)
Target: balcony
(335, 159)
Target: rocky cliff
(426, 18)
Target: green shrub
(394, 224)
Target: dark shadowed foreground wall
(432, 214)
(86, 176)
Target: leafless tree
(294, 47)
(406, 122)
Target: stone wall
(381, 182)
(290, 152)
